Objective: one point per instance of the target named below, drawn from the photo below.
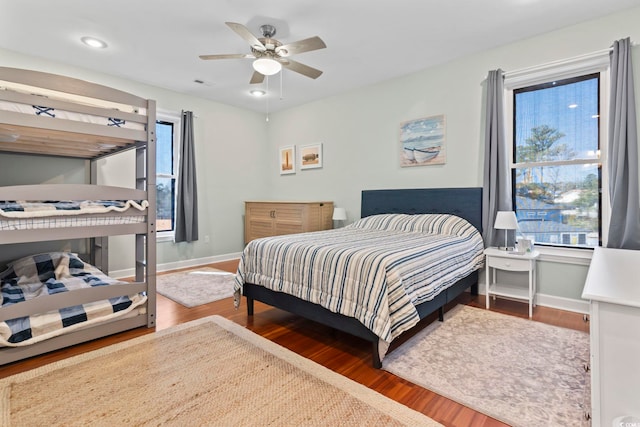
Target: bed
(43, 114)
(312, 274)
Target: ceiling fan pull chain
(267, 82)
(281, 96)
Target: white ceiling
(158, 41)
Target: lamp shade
(267, 66)
(339, 214)
(506, 220)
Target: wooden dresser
(272, 218)
(613, 288)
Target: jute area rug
(209, 372)
(196, 286)
(522, 372)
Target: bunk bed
(50, 115)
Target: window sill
(164, 237)
(565, 255)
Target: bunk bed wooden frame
(37, 135)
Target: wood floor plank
(340, 352)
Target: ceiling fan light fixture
(267, 66)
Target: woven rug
(196, 286)
(522, 372)
(209, 372)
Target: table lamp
(506, 220)
(339, 214)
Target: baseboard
(568, 304)
(188, 263)
(552, 301)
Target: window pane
(559, 204)
(557, 120)
(164, 148)
(165, 209)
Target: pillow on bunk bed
(41, 267)
(45, 273)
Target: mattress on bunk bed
(45, 274)
(375, 270)
(43, 111)
(23, 215)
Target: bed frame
(30, 134)
(463, 202)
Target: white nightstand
(497, 259)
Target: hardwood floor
(340, 352)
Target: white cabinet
(497, 259)
(613, 287)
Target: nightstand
(497, 259)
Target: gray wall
(237, 150)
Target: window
(555, 169)
(167, 131)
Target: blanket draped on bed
(24, 209)
(45, 274)
(375, 270)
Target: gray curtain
(496, 189)
(187, 205)
(624, 227)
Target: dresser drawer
(512, 264)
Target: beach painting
(422, 142)
(287, 160)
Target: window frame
(561, 70)
(176, 119)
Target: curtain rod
(583, 57)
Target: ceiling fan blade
(306, 45)
(243, 32)
(301, 68)
(256, 78)
(228, 56)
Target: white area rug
(196, 286)
(522, 372)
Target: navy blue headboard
(463, 202)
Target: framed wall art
(287, 159)
(310, 156)
(422, 142)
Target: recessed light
(93, 42)
(257, 92)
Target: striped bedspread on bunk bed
(45, 274)
(375, 270)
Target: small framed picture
(287, 159)
(311, 156)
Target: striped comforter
(375, 270)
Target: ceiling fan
(270, 54)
